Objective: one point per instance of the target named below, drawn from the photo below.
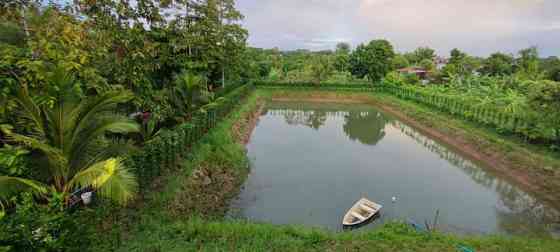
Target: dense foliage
(88, 93)
(372, 60)
(511, 105)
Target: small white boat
(362, 211)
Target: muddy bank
(243, 127)
(518, 164)
(216, 179)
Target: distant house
(419, 71)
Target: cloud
(477, 26)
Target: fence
(529, 125)
(323, 86)
(165, 150)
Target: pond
(312, 161)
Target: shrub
(33, 227)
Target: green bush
(34, 227)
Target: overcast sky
(478, 27)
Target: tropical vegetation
(110, 97)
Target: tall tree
(343, 48)
(551, 66)
(498, 64)
(373, 60)
(457, 56)
(420, 54)
(320, 68)
(527, 64)
(400, 61)
(342, 57)
(461, 64)
(427, 64)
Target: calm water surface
(312, 161)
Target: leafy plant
(13, 160)
(190, 92)
(66, 135)
(34, 227)
(149, 130)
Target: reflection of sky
(319, 171)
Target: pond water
(312, 161)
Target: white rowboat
(362, 211)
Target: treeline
(339, 66)
(144, 47)
(372, 61)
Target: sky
(479, 27)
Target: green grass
(170, 217)
(196, 234)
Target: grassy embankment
(185, 211)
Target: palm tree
(190, 92)
(70, 135)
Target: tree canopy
(373, 60)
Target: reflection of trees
(480, 176)
(517, 211)
(310, 115)
(368, 127)
(363, 124)
(309, 118)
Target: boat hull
(361, 212)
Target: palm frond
(106, 149)
(30, 112)
(88, 110)
(109, 123)
(11, 186)
(110, 178)
(58, 162)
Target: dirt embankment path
(518, 164)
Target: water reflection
(309, 177)
(517, 211)
(297, 114)
(366, 127)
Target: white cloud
(474, 25)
